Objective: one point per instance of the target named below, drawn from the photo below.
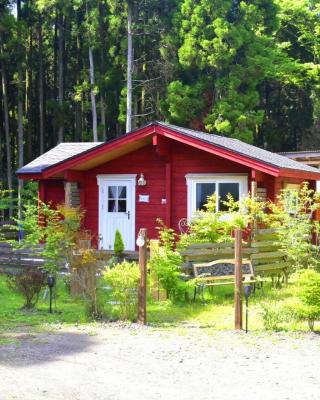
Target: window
(200, 186)
(117, 198)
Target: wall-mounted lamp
(141, 180)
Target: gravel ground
(130, 362)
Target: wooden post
(238, 279)
(142, 291)
(253, 190)
(254, 198)
(67, 193)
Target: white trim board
(193, 179)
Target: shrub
(124, 280)
(166, 264)
(28, 282)
(309, 295)
(275, 317)
(214, 227)
(118, 244)
(292, 218)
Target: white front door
(116, 210)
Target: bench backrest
(221, 269)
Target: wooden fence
(264, 252)
(12, 260)
(8, 230)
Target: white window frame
(193, 179)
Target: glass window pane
(122, 192)
(112, 206)
(224, 190)
(122, 206)
(203, 190)
(112, 192)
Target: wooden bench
(220, 272)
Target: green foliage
(28, 282)
(309, 295)
(231, 42)
(124, 280)
(57, 229)
(292, 216)
(166, 262)
(215, 227)
(275, 317)
(118, 244)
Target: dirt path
(120, 363)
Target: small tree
(28, 282)
(292, 216)
(57, 229)
(309, 295)
(118, 244)
(124, 280)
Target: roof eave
(96, 151)
(30, 175)
(219, 151)
(293, 173)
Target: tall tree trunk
(103, 52)
(93, 97)
(41, 90)
(103, 118)
(20, 109)
(77, 106)
(28, 104)
(20, 92)
(129, 70)
(6, 124)
(60, 74)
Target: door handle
(128, 214)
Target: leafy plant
(216, 227)
(166, 264)
(309, 295)
(28, 282)
(295, 226)
(124, 280)
(118, 244)
(57, 230)
(276, 317)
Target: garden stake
(238, 280)
(51, 283)
(142, 291)
(247, 292)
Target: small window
(202, 186)
(117, 199)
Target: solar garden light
(247, 293)
(51, 282)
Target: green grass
(218, 311)
(216, 314)
(13, 316)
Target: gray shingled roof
(242, 148)
(65, 151)
(54, 156)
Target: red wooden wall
(184, 160)
(54, 192)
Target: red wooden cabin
(157, 171)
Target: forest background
(83, 70)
